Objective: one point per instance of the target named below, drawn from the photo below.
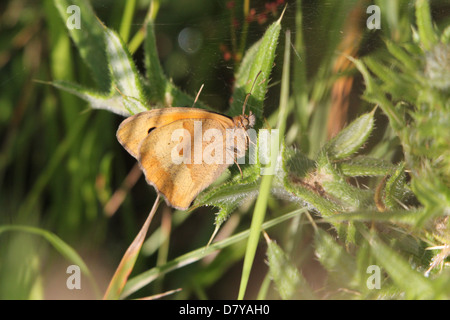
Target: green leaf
(363, 166)
(394, 80)
(425, 27)
(297, 164)
(227, 197)
(63, 248)
(401, 55)
(111, 102)
(257, 60)
(89, 40)
(351, 197)
(111, 59)
(432, 193)
(133, 105)
(299, 183)
(155, 75)
(123, 72)
(414, 284)
(409, 217)
(341, 266)
(395, 188)
(288, 280)
(351, 138)
(375, 95)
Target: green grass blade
(395, 216)
(154, 71)
(61, 59)
(142, 36)
(127, 20)
(63, 248)
(255, 232)
(299, 77)
(58, 244)
(427, 35)
(266, 181)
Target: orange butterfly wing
(134, 129)
(147, 136)
(181, 182)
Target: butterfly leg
(249, 140)
(242, 175)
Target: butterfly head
(244, 121)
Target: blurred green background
(60, 162)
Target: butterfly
(183, 150)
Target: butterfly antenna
(198, 94)
(117, 89)
(249, 94)
(240, 170)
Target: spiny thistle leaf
(89, 40)
(257, 60)
(97, 100)
(302, 183)
(394, 216)
(395, 188)
(415, 285)
(363, 166)
(227, 198)
(341, 266)
(123, 72)
(288, 280)
(351, 138)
